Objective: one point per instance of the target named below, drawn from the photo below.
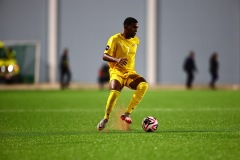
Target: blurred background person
(103, 76)
(213, 69)
(65, 73)
(190, 67)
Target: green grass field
(193, 125)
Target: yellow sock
(112, 99)
(137, 96)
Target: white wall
(85, 26)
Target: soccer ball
(149, 124)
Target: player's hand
(122, 61)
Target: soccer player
(120, 54)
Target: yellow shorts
(124, 78)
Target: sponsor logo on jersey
(107, 48)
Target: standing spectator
(65, 73)
(213, 69)
(190, 67)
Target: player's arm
(120, 61)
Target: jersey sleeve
(111, 47)
(137, 40)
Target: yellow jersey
(119, 47)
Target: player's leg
(115, 88)
(68, 74)
(190, 78)
(211, 84)
(139, 84)
(62, 79)
(214, 79)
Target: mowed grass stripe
(139, 110)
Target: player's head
(130, 27)
(214, 55)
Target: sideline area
(56, 86)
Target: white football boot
(102, 124)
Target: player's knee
(115, 85)
(142, 86)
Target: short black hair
(129, 21)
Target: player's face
(131, 30)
